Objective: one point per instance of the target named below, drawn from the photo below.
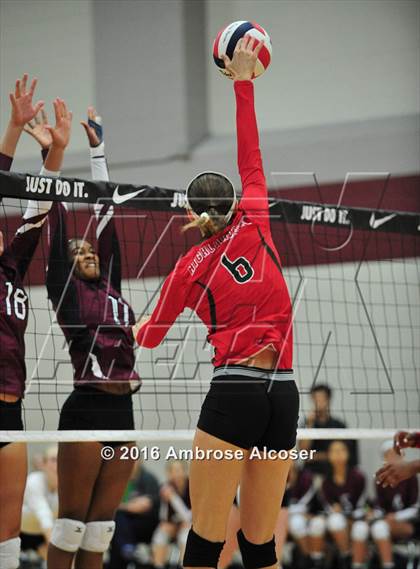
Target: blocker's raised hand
(23, 109)
(93, 127)
(37, 129)
(242, 66)
(60, 134)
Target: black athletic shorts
(10, 417)
(252, 407)
(31, 541)
(87, 408)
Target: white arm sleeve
(406, 514)
(99, 169)
(180, 508)
(36, 208)
(35, 500)
(98, 165)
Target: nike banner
(153, 198)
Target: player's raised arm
(242, 66)
(27, 236)
(149, 331)
(106, 235)
(23, 111)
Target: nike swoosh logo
(119, 199)
(375, 223)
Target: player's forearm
(10, 139)
(98, 165)
(406, 514)
(150, 334)
(249, 157)
(37, 208)
(54, 159)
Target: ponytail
(208, 223)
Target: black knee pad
(200, 552)
(255, 556)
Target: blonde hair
(207, 224)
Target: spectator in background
(320, 418)
(343, 499)
(303, 503)
(40, 505)
(137, 516)
(393, 473)
(175, 513)
(396, 510)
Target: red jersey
(233, 280)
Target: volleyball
(228, 37)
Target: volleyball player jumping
(14, 262)
(85, 290)
(233, 280)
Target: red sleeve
(171, 303)
(254, 199)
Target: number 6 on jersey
(240, 269)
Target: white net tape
(177, 435)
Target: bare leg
(341, 539)
(385, 550)
(13, 471)
(106, 497)
(160, 550)
(231, 545)
(303, 544)
(359, 551)
(317, 546)
(262, 487)
(213, 485)
(401, 530)
(280, 531)
(78, 466)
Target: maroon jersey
(233, 280)
(93, 316)
(350, 495)
(14, 301)
(302, 493)
(401, 500)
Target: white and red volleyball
(228, 37)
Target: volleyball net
(353, 275)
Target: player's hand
(242, 65)
(166, 492)
(60, 134)
(93, 127)
(23, 109)
(139, 324)
(310, 419)
(402, 440)
(36, 128)
(394, 473)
